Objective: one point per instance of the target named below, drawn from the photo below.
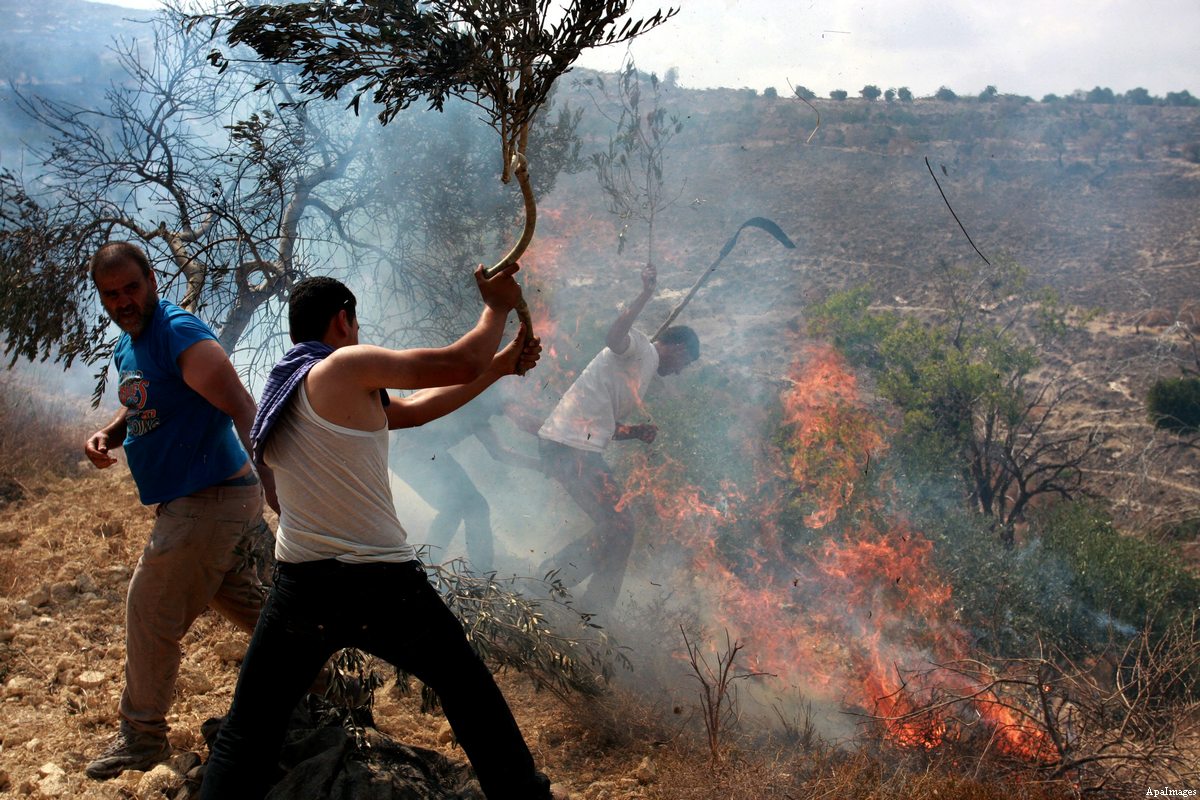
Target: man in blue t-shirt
(181, 400)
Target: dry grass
(622, 745)
(868, 776)
(41, 434)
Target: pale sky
(1030, 47)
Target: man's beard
(136, 320)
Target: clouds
(1029, 47)
(143, 4)
(1032, 47)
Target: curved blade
(754, 222)
(762, 223)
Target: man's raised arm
(456, 364)
(617, 339)
(430, 404)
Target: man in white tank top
(347, 576)
(586, 419)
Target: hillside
(58, 49)
(1097, 202)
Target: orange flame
(860, 618)
(855, 614)
(834, 435)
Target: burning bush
(843, 576)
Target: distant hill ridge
(61, 41)
(1099, 199)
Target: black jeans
(389, 610)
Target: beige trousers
(198, 556)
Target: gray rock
(90, 679)
(20, 686)
(645, 773)
(229, 650)
(117, 573)
(162, 781)
(53, 781)
(184, 762)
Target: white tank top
(333, 488)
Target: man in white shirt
(586, 419)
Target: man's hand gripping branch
(617, 339)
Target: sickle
(754, 222)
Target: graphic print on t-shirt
(134, 393)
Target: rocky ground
(66, 554)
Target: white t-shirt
(608, 389)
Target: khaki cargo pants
(198, 556)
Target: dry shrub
(867, 775)
(686, 772)
(1125, 719)
(41, 434)
(669, 756)
(1189, 316)
(1144, 728)
(620, 720)
(1152, 318)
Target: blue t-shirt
(176, 442)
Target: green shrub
(1174, 404)
(1075, 582)
(1009, 598)
(1121, 577)
(854, 116)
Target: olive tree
(233, 193)
(501, 56)
(964, 375)
(236, 186)
(630, 171)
